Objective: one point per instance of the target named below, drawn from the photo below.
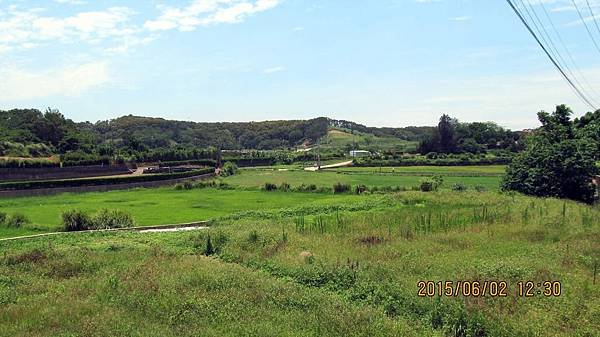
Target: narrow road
(343, 164)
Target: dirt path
(148, 229)
(343, 164)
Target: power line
(577, 91)
(586, 25)
(589, 88)
(593, 16)
(546, 38)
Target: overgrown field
(316, 270)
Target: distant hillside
(355, 140)
(32, 133)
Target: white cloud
(20, 84)
(207, 12)
(21, 29)
(274, 70)
(460, 18)
(71, 2)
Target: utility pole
(318, 154)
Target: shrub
(270, 187)
(107, 219)
(458, 187)
(2, 218)
(341, 188)
(188, 185)
(17, 220)
(209, 250)
(74, 221)
(430, 184)
(229, 169)
(284, 187)
(360, 189)
(480, 188)
(307, 188)
(253, 237)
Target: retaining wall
(98, 188)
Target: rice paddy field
(290, 263)
(406, 177)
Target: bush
(341, 188)
(74, 221)
(284, 187)
(360, 189)
(307, 188)
(431, 184)
(270, 187)
(229, 169)
(108, 219)
(480, 188)
(17, 220)
(459, 187)
(2, 218)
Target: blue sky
(378, 62)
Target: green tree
(555, 162)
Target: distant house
(359, 153)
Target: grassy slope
(361, 281)
(341, 138)
(122, 285)
(154, 206)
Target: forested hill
(52, 132)
(412, 133)
(30, 132)
(137, 132)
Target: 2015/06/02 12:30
(488, 288)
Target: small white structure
(359, 153)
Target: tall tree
(555, 162)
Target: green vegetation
(451, 136)
(354, 140)
(559, 161)
(363, 176)
(74, 220)
(491, 170)
(319, 271)
(156, 206)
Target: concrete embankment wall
(98, 188)
(31, 173)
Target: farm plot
(154, 206)
(484, 178)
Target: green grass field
(169, 206)
(156, 206)
(327, 272)
(471, 177)
(497, 170)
